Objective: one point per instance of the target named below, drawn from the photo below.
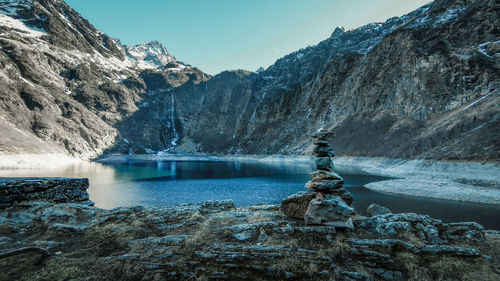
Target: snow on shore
(35, 161)
(463, 181)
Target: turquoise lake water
(166, 183)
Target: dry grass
(491, 248)
(360, 269)
(407, 262)
(205, 230)
(290, 263)
(339, 249)
(411, 238)
(444, 268)
(295, 264)
(274, 240)
(451, 268)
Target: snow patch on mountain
(484, 48)
(363, 39)
(449, 15)
(435, 20)
(11, 7)
(9, 18)
(20, 27)
(150, 55)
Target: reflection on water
(97, 173)
(164, 183)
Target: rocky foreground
(45, 240)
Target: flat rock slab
(59, 190)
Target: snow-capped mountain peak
(339, 30)
(148, 55)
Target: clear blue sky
(217, 35)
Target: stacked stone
(332, 203)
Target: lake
(166, 183)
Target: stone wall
(58, 190)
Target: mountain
(148, 55)
(64, 84)
(424, 85)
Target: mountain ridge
(414, 111)
(417, 86)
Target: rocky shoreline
(217, 241)
(461, 181)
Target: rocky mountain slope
(64, 84)
(422, 85)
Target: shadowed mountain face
(422, 85)
(425, 84)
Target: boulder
(295, 205)
(331, 210)
(377, 210)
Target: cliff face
(422, 85)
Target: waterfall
(175, 136)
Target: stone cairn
(332, 203)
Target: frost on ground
(471, 182)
